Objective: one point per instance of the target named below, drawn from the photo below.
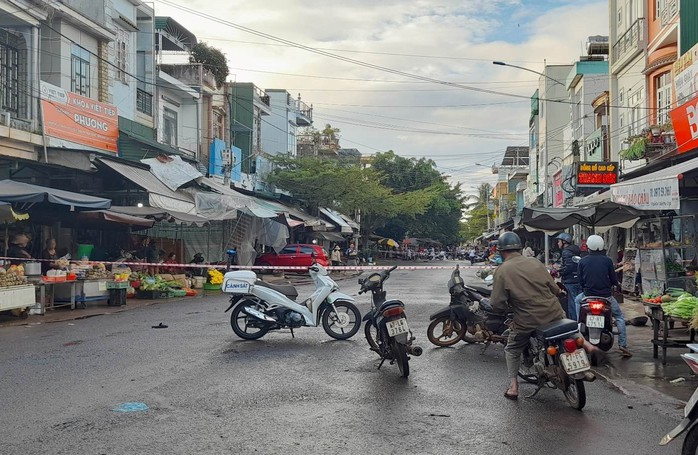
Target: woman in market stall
(18, 249)
(48, 256)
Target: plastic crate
(117, 285)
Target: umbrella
(7, 215)
(600, 217)
(388, 242)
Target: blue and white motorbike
(259, 307)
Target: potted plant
(214, 280)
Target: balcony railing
(630, 41)
(671, 7)
(144, 102)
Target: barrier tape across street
(259, 267)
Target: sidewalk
(644, 371)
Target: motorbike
(468, 317)
(386, 328)
(596, 321)
(556, 358)
(258, 307)
(690, 413)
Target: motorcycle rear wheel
(348, 322)
(239, 321)
(400, 356)
(576, 394)
(690, 442)
(445, 331)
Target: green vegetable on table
(684, 307)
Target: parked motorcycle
(386, 328)
(259, 307)
(468, 313)
(596, 321)
(690, 412)
(556, 358)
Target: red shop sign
(685, 121)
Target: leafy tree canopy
(213, 60)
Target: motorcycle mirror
(576, 259)
(362, 280)
(457, 266)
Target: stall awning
(115, 217)
(159, 214)
(145, 179)
(7, 215)
(658, 190)
(335, 217)
(20, 192)
(331, 236)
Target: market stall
(16, 294)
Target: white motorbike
(259, 307)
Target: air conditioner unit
(226, 156)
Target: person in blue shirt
(597, 276)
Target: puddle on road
(131, 406)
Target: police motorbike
(468, 317)
(556, 358)
(690, 413)
(259, 307)
(386, 328)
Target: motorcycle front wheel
(400, 356)
(445, 331)
(240, 321)
(343, 323)
(371, 333)
(576, 394)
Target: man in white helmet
(597, 276)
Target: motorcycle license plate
(595, 322)
(397, 327)
(575, 362)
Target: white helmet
(595, 243)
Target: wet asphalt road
(209, 392)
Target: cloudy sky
(463, 130)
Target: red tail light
(570, 345)
(596, 307)
(396, 311)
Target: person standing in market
(336, 256)
(49, 256)
(597, 277)
(18, 249)
(568, 271)
(528, 251)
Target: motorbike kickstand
(487, 345)
(292, 334)
(381, 364)
(535, 392)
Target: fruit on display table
(12, 277)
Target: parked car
(293, 255)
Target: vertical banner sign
(558, 194)
(78, 119)
(685, 121)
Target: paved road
(209, 392)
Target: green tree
(213, 60)
(441, 220)
(477, 212)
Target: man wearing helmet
(568, 271)
(525, 286)
(597, 276)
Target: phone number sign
(603, 173)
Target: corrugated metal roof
(145, 179)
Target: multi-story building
(512, 171)
(550, 115)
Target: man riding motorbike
(597, 276)
(568, 272)
(524, 285)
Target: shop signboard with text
(686, 76)
(658, 194)
(597, 173)
(685, 121)
(558, 194)
(77, 119)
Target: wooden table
(659, 318)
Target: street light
(527, 69)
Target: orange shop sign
(685, 121)
(78, 119)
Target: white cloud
(472, 32)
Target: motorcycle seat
(485, 292)
(556, 328)
(389, 304)
(286, 289)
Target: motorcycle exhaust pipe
(415, 350)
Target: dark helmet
(509, 241)
(565, 237)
